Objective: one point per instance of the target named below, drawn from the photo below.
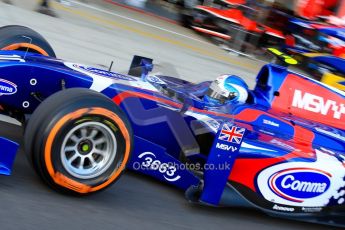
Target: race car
(236, 24)
(315, 37)
(278, 148)
(322, 67)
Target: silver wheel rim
(88, 150)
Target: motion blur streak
(112, 23)
(136, 21)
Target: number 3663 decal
(151, 162)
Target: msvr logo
(317, 104)
(226, 147)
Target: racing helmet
(227, 88)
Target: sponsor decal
(231, 134)
(155, 79)
(267, 132)
(284, 209)
(150, 162)
(226, 147)
(229, 138)
(317, 104)
(297, 184)
(313, 183)
(311, 209)
(269, 122)
(7, 87)
(104, 73)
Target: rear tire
(22, 38)
(79, 141)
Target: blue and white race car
(278, 148)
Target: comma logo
(298, 184)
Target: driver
(227, 89)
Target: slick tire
(22, 38)
(78, 141)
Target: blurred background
(247, 26)
(306, 35)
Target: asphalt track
(93, 36)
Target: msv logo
(297, 184)
(7, 87)
(226, 147)
(317, 104)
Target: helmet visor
(222, 95)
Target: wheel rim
(88, 150)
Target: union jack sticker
(231, 134)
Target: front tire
(21, 38)
(78, 141)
